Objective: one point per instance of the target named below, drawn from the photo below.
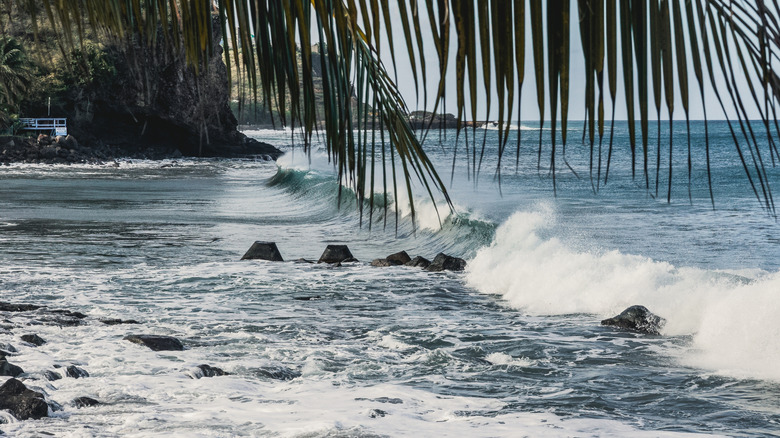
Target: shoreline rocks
(22, 402)
(263, 251)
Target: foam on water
(732, 316)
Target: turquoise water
(511, 347)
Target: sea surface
(511, 347)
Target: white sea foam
(733, 318)
(505, 359)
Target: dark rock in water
(278, 373)
(157, 343)
(77, 315)
(75, 372)
(443, 262)
(85, 402)
(302, 260)
(116, 321)
(51, 375)
(22, 402)
(8, 307)
(335, 254)
(8, 348)
(396, 259)
(33, 339)
(418, 262)
(399, 258)
(263, 251)
(376, 413)
(207, 371)
(639, 319)
(315, 297)
(9, 369)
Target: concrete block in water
(263, 251)
(335, 254)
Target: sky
(529, 102)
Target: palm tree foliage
(651, 42)
(15, 74)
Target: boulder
(33, 339)
(156, 343)
(396, 259)
(9, 369)
(71, 142)
(22, 402)
(418, 262)
(443, 262)
(263, 251)
(399, 258)
(336, 254)
(44, 139)
(75, 372)
(85, 402)
(637, 318)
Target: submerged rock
(22, 402)
(117, 321)
(85, 402)
(33, 339)
(75, 372)
(418, 262)
(309, 298)
(443, 262)
(9, 369)
(204, 370)
(156, 343)
(637, 318)
(9, 307)
(336, 254)
(381, 263)
(278, 373)
(51, 375)
(263, 251)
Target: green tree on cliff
(15, 76)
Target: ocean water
(511, 347)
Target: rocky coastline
(68, 150)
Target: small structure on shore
(48, 126)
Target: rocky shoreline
(68, 150)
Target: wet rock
(75, 372)
(309, 298)
(206, 371)
(117, 321)
(156, 343)
(399, 258)
(77, 315)
(637, 318)
(443, 262)
(85, 402)
(9, 369)
(9, 307)
(418, 262)
(51, 375)
(33, 339)
(8, 348)
(44, 140)
(335, 254)
(278, 373)
(381, 263)
(263, 251)
(302, 260)
(376, 413)
(22, 402)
